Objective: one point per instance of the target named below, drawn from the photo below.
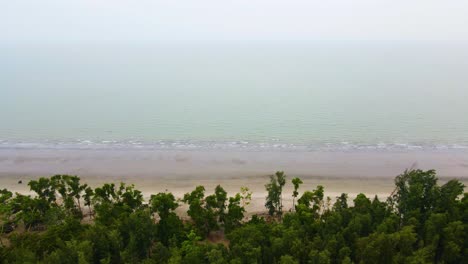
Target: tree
(249, 243)
(137, 233)
(415, 194)
(311, 201)
(217, 202)
(88, 196)
(454, 242)
(191, 249)
(449, 199)
(216, 256)
(287, 259)
(341, 203)
(422, 222)
(111, 204)
(29, 211)
(203, 216)
(386, 248)
(235, 213)
(169, 225)
(5, 212)
(362, 204)
(274, 201)
(210, 213)
(163, 204)
(246, 195)
(296, 182)
(44, 188)
(71, 192)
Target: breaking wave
(242, 145)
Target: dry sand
(369, 172)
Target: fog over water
(304, 94)
(249, 74)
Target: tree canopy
(66, 221)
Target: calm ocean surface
(284, 96)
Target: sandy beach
(369, 172)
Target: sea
(272, 97)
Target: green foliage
(287, 259)
(386, 248)
(250, 244)
(5, 195)
(111, 203)
(311, 202)
(29, 211)
(44, 188)
(296, 183)
(216, 256)
(235, 213)
(246, 196)
(274, 201)
(203, 214)
(217, 202)
(71, 192)
(209, 213)
(164, 204)
(169, 224)
(137, 233)
(415, 196)
(422, 222)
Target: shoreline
(182, 164)
(179, 172)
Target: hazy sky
(152, 21)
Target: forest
(67, 221)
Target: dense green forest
(69, 222)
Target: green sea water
(362, 94)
